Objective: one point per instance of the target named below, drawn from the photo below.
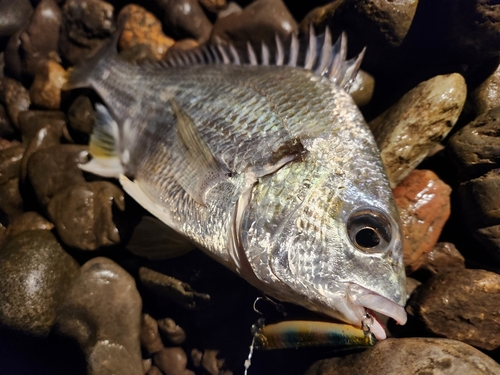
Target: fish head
(324, 233)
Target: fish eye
(369, 230)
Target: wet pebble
(142, 27)
(410, 356)
(258, 22)
(11, 201)
(210, 362)
(27, 221)
(444, 257)
(423, 202)
(36, 272)
(171, 331)
(83, 214)
(150, 336)
(6, 128)
(463, 305)
(213, 5)
(46, 88)
(81, 115)
(102, 311)
(31, 122)
(172, 361)
(412, 127)
(362, 88)
(487, 95)
(15, 98)
(153, 370)
(319, 17)
(10, 162)
(15, 14)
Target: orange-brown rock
(143, 27)
(423, 202)
(46, 88)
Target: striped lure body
(264, 162)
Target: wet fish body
(269, 168)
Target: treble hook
(367, 326)
(279, 307)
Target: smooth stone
(81, 115)
(153, 370)
(411, 285)
(463, 305)
(142, 27)
(10, 162)
(46, 89)
(487, 95)
(423, 202)
(83, 214)
(423, 356)
(15, 98)
(36, 272)
(214, 6)
(146, 365)
(150, 336)
(172, 289)
(362, 88)
(185, 19)
(53, 169)
(319, 17)
(27, 221)
(30, 123)
(172, 361)
(480, 209)
(474, 148)
(11, 201)
(15, 14)
(171, 331)
(210, 362)
(86, 26)
(102, 311)
(411, 128)
(258, 22)
(6, 128)
(12, 59)
(183, 45)
(444, 257)
(40, 38)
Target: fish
(262, 160)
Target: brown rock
(30, 220)
(86, 26)
(411, 128)
(210, 362)
(102, 311)
(30, 123)
(259, 22)
(476, 147)
(11, 201)
(171, 331)
(81, 115)
(15, 97)
(13, 63)
(15, 14)
(143, 27)
(40, 38)
(46, 89)
(319, 17)
(53, 169)
(423, 202)
(213, 5)
(196, 356)
(153, 370)
(183, 45)
(83, 214)
(172, 361)
(6, 127)
(185, 19)
(36, 272)
(480, 203)
(487, 95)
(150, 336)
(461, 305)
(146, 365)
(10, 162)
(362, 88)
(444, 257)
(172, 289)
(423, 356)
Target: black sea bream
(264, 162)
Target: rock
(487, 95)
(150, 336)
(81, 115)
(172, 361)
(36, 272)
(30, 123)
(231, 8)
(83, 214)
(171, 331)
(411, 285)
(259, 22)
(28, 221)
(53, 169)
(40, 38)
(6, 127)
(480, 207)
(10, 162)
(319, 17)
(407, 131)
(15, 14)
(15, 97)
(196, 356)
(185, 19)
(210, 362)
(182, 45)
(172, 289)
(11, 201)
(13, 63)
(362, 88)
(444, 257)
(213, 5)
(423, 202)
(143, 27)
(86, 26)
(146, 365)
(153, 370)
(102, 311)
(461, 305)
(46, 89)
(475, 147)
(410, 356)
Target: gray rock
(461, 305)
(83, 214)
(150, 336)
(411, 356)
(102, 311)
(36, 272)
(412, 127)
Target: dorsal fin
(316, 54)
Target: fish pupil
(367, 237)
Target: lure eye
(369, 231)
